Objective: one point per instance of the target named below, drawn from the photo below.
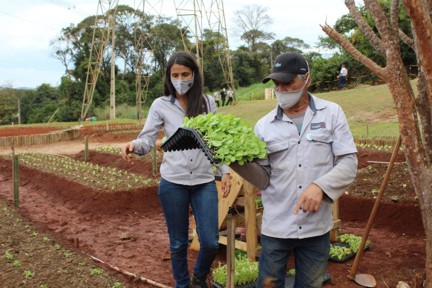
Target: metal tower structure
(190, 12)
(143, 49)
(215, 14)
(101, 36)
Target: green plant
(8, 256)
(230, 139)
(291, 272)
(43, 286)
(117, 285)
(89, 174)
(67, 254)
(352, 245)
(16, 263)
(245, 271)
(28, 274)
(96, 271)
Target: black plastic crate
(186, 139)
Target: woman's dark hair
(196, 101)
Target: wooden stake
(15, 176)
(86, 148)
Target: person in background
(223, 95)
(230, 95)
(187, 177)
(311, 161)
(216, 98)
(343, 74)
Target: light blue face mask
(183, 86)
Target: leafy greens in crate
(228, 137)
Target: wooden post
(249, 192)
(230, 248)
(15, 177)
(334, 233)
(154, 162)
(86, 148)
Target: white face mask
(182, 86)
(287, 100)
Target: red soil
(127, 229)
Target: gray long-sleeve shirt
(324, 153)
(187, 167)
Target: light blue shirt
(295, 161)
(187, 167)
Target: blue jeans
(310, 260)
(342, 81)
(175, 200)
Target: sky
(29, 26)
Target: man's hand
(310, 200)
(226, 184)
(126, 150)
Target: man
(343, 74)
(223, 96)
(311, 161)
(230, 95)
(216, 98)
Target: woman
(187, 177)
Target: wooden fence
(62, 135)
(37, 139)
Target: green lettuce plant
(230, 138)
(245, 271)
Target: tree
(250, 21)
(414, 111)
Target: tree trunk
(414, 114)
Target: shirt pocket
(277, 152)
(277, 146)
(320, 148)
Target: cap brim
(280, 76)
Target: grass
(370, 110)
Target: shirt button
(299, 165)
(191, 160)
(299, 186)
(191, 172)
(298, 142)
(300, 227)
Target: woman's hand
(126, 150)
(226, 184)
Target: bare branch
(394, 13)
(339, 38)
(385, 30)
(364, 27)
(406, 39)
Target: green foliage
(353, 244)
(8, 256)
(245, 271)
(96, 271)
(231, 139)
(28, 274)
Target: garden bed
(127, 229)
